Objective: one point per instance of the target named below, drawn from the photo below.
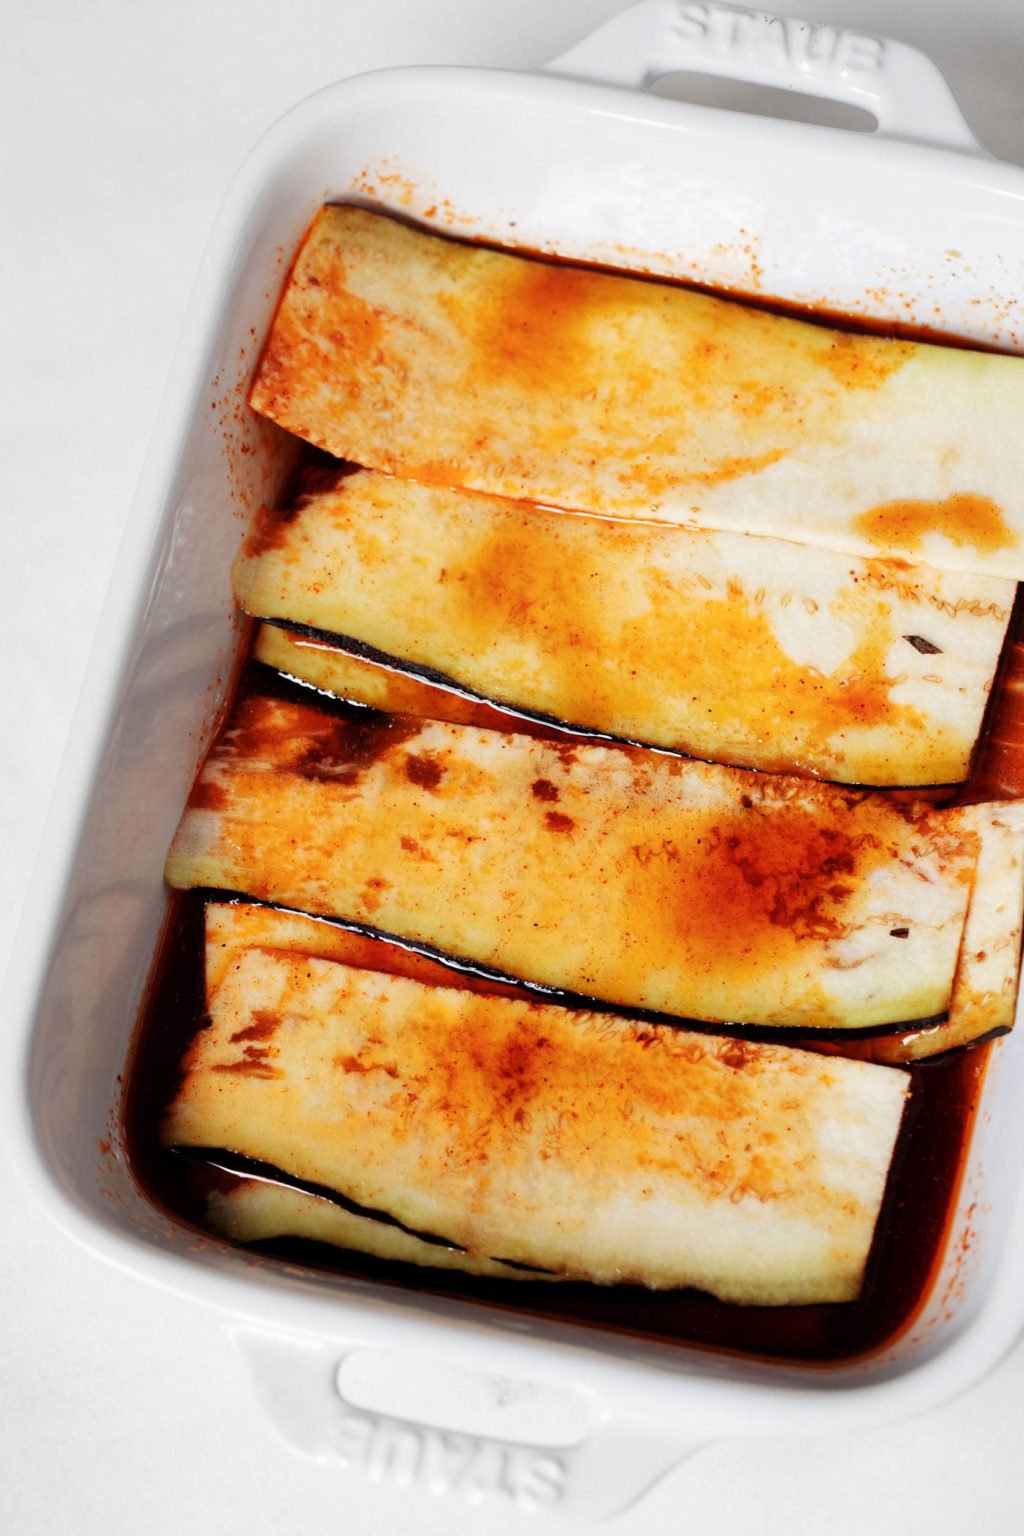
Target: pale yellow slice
(320, 663)
(256, 1212)
(984, 995)
(232, 927)
(983, 1001)
(598, 1148)
(741, 650)
(456, 365)
(985, 986)
(639, 878)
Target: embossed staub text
(440, 1461)
(754, 37)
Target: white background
(123, 1410)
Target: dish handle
(437, 1427)
(900, 87)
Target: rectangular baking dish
(914, 224)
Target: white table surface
(123, 1410)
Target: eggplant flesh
(629, 398)
(639, 879)
(593, 1148)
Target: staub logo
(709, 29)
(439, 1461)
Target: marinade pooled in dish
(512, 1035)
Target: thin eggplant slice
(984, 997)
(741, 650)
(258, 1212)
(641, 879)
(985, 985)
(232, 927)
(320, 663)
(596, 1148)
(455, 365)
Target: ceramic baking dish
(913, 223)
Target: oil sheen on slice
(741, 650)
(640, 879)
(522, 1133)
(631, 398)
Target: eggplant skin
(628, 398)
(643, 880)
(594, 1148)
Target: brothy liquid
(920, 1194)
(909, 1236)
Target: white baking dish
(913, 224)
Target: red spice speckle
(424, 770)
(556, 822)
(543, 789)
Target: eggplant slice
(256, 1212)
(742, 650)
(233, 926)
(318, 662)
(984, 996)
(594, 1148)
(640, 879)
(455, 365)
